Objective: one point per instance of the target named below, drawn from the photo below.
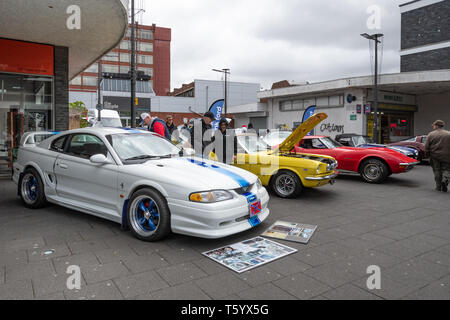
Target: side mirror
(99, 159)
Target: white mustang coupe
(140, 180)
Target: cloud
(264, 41)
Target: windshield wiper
(143, 157)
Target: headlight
(211, 196)
(318, 169)
(259, 184)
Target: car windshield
(109, 122)
(251, 144)
(330, 143)
(359, 140)
(276, 138)
(132, 147)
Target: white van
(110, 118)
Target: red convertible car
(417, 143)
(374, 165)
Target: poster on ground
(290, 231)
(249, 254)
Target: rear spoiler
(31, 139)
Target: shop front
(395, 117)
(26, 95)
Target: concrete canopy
(408, 83)
(103, 26)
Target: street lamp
(226, 72)
(375, 37)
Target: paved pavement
(402, 226)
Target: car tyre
(286, 184)
(31, 189)
(374, 171)
(148, 215)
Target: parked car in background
(374, 165)
(109, 118)
(360, 141)
(140, 180)
(417, 143)
(284, 171)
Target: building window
(90, 81)
(145, 46)
(112, 56)
(320, 102)
(109, 68)
(124, 69)
(93, 68)
(147, 71)
(146, 34)
(125, 57)
(145, 59)
(76, 81)
(125, 45)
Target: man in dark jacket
(201, 134)
(225, 143)
(438, 148)
(170, 125)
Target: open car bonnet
(299, 133)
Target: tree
(78, 108)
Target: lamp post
(133, 68)
(99, 92)
(226, 72)
(375, 37)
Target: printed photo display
(289, 231)
(249, 254)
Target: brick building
(152, 58)
(425, 40)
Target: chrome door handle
(63, 166)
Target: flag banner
(217, 109)
(309, 112)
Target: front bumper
(329, 177)
(408, 166)
(216, 220)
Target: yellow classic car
(283, 170)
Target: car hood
(299, 133)
(199, 174)
(404, 150)
(380, 152)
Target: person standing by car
(201, 133)
(170, 125)
(438, 148)
(223, 138)
(155, 125)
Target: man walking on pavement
(438, 148)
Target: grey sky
(265, 41)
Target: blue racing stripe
(242, 182)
